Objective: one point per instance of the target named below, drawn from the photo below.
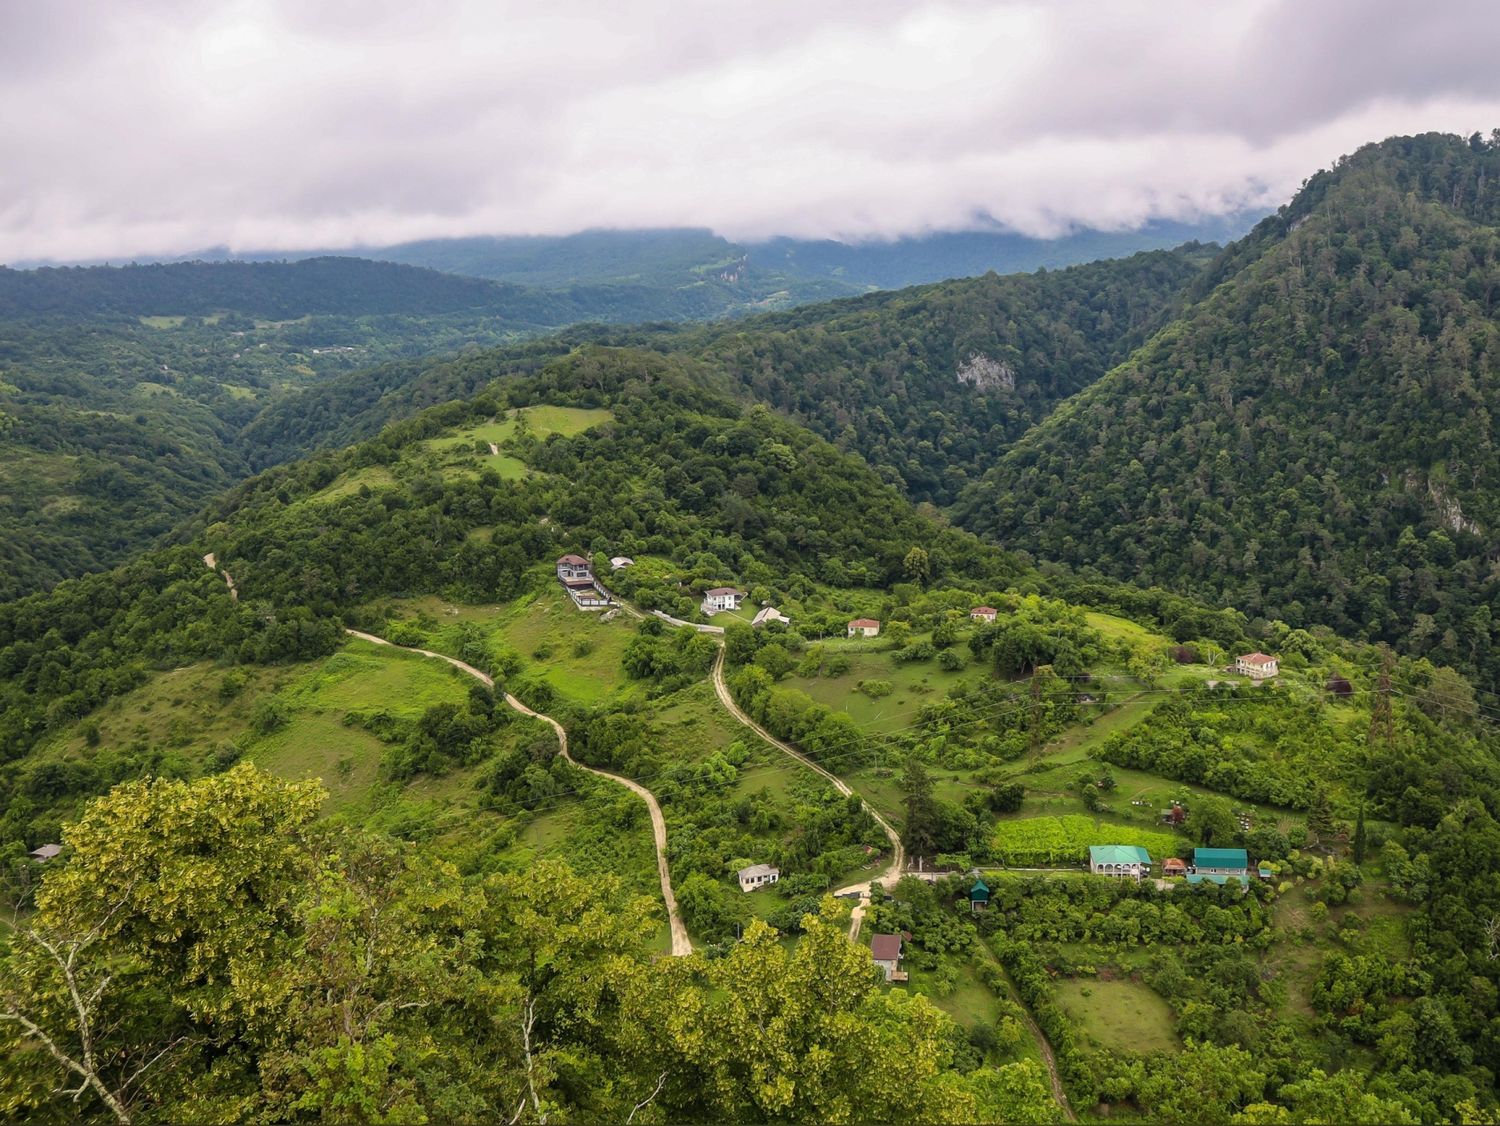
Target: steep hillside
(1313, 440)
(928, 383)
(363, 823)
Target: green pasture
(913, 683)
(1118, 1014)
(180, 707)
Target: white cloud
(163, 126)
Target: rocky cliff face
(986, 374)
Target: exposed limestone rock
(986, 374)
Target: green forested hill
(928, 383)
(1313, 440)
(423, 922)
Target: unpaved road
(681, 944)
(898, 854)
(213, 565)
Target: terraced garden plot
(1050, 842)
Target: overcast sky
(164, 126)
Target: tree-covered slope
(928, 383)
(1312, 440)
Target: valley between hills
(1053, 697)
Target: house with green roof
(1119, 860)
(1221, 862)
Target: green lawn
(970, 1003)
(881, 787)
(317, 744)
(577, 652)
(1119, 1015)
(913, 684)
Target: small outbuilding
(768, 615)
(1174, 866)
(979, 896)
(864, 627)
(620, 562)
(886, 950)
(45, 852)
(758, 876)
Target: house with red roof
(983, 614)
(1257, 666)
(864, 627)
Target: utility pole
(1036, 715)
(1382, 727)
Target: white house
(1122, 861)
(1257, 666)
(722, 598)
(864, 627)
(983, 614)
(620, 562)
(573, 569)
(758, 876)
(769, 614)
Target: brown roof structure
(722, 590)
(863, 623)
(886, 947)
(1256, 658)
(573, 561)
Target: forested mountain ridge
(1313, 440)
(926, 383)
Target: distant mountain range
(753, 276)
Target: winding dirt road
(681, 944)
(213, 565)
(898, 854)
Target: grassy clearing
(371, 679)
(1122, 629)
(177, 708)
(374, 477)
(1119, 1015)
(881, 787)
(695, 725)
(362, 680)
(318, 745)
(969, 1003)
(913, 684)
(577, 652)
